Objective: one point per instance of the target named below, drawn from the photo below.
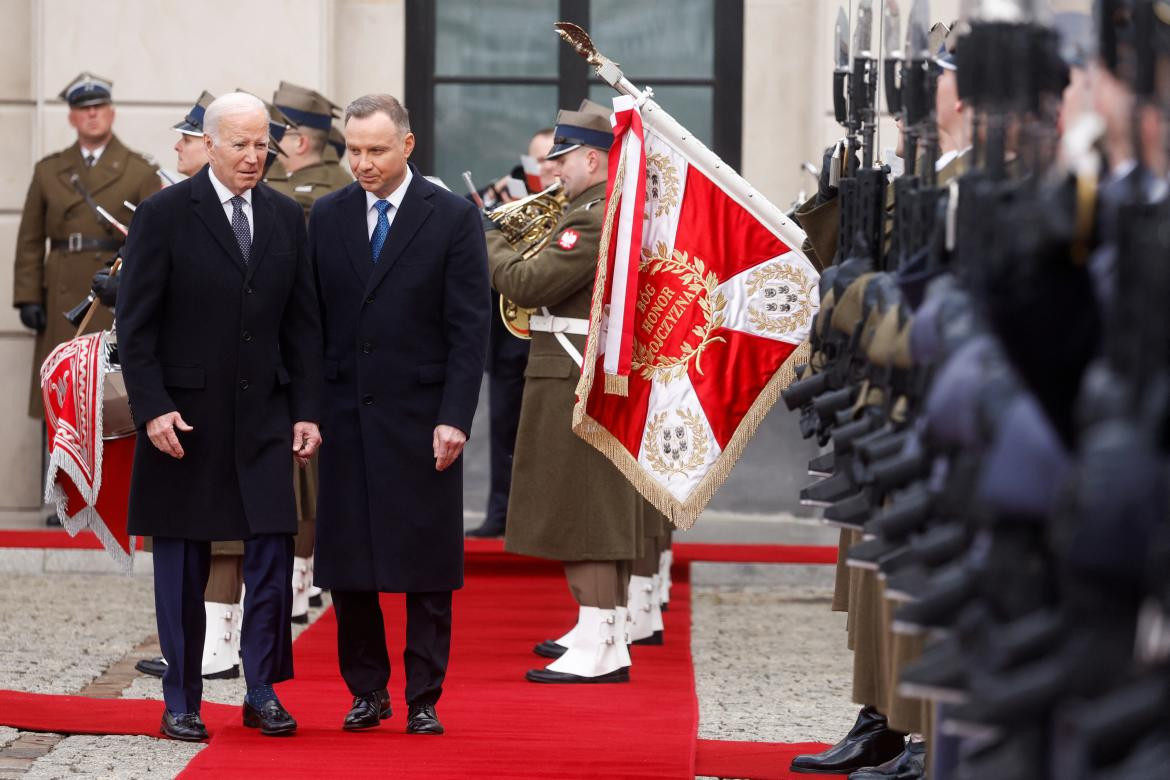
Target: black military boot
(869, 743)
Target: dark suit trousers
(361, 643)
(181, 568)
(505, 390)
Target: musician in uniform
(507, 357)
(568, 502)
(97, 170)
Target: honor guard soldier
(304, 175)
(568, 502)
(61, 207)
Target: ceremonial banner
(72, 383)
(701, 310)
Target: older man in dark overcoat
(220, 345)
(402, 278)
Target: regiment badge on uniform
(568, 239)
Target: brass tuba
(528, 224)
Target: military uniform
(306, 185)
(81, 243)
(568, 502)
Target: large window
(481, 77)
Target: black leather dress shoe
(52, 521)
(368, 710)
(187, 727)
(869, 743)
(550, 649)
(486, 531)
(272, 719)
(423, 720)
(545, 676)
(910, 765)
(653, 639)
(155, 667)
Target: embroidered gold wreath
(667, 305)
(801, 310)
(661, 183)
(652, 446)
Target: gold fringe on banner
(615, 384)
(684, 513)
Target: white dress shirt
(225, 199)
(395, 199)
(95, 153)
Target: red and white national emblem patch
(568, 239)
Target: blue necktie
(381, 230)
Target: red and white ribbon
(628, 152)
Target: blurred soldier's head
(538, 149)
(91, 109)
(190, 149)
(952, 122)
(378, 141)
(580, 152)
(235, 134)
(304, 144)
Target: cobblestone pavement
(770, 661)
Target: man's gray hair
(367, 105)
(231, 104)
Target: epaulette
(145, 158)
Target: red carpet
(497, 724)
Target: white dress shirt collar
(395, 199)
(225, 200)
(223, 193)
(96, 153)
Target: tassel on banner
(616, 384)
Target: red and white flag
(701, 309)
(88, 478)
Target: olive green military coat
(308, 184)
(568, 502)
(53, 209)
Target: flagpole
(670, 130)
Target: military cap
(945, 40)
(88, 90)
(587, 126)
(336, 140)
(192, 124)
(305, 106)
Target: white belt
(559, 326)
(549, 324)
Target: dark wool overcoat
(234, 347)
(405, 344)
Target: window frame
(574, 77)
